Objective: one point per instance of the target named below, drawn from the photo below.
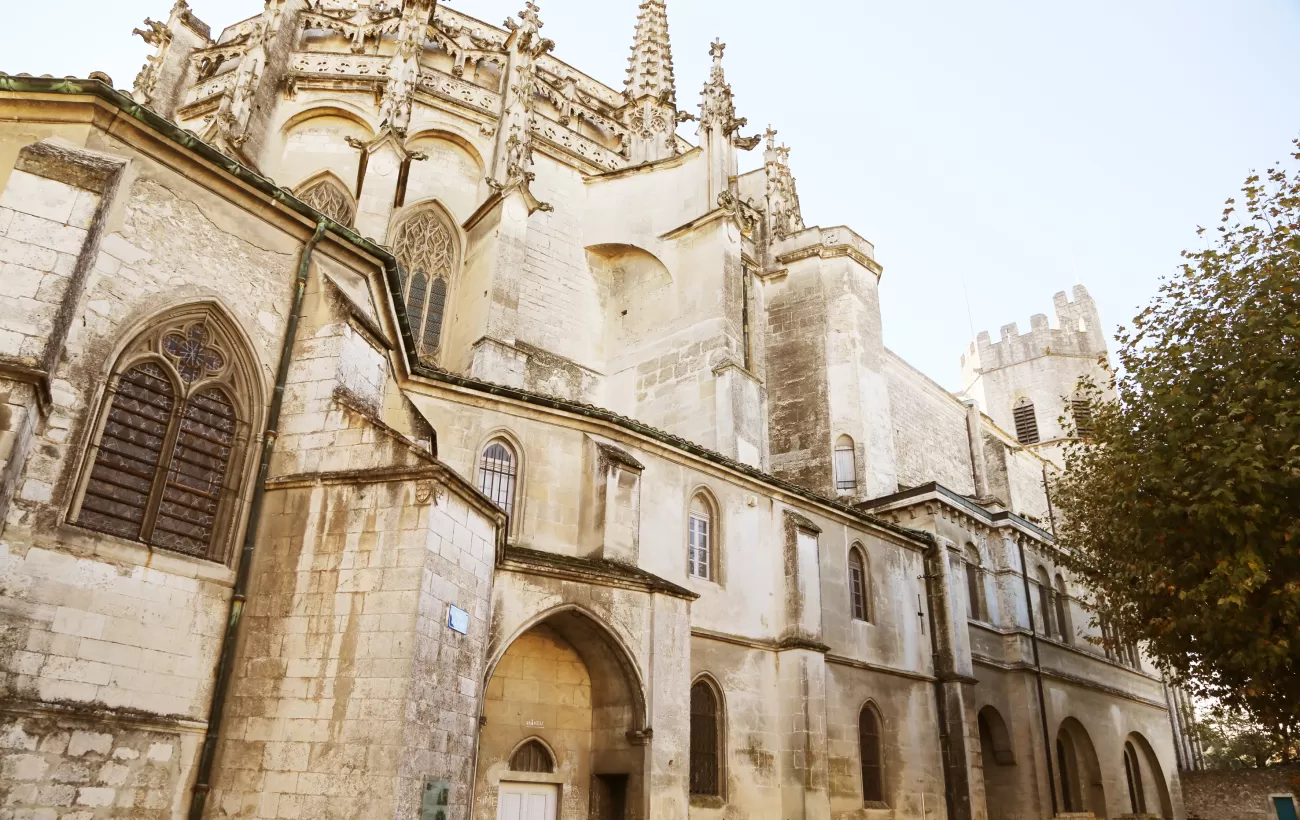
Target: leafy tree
(1183, 509)
(1234, 739)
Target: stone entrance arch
(569, 683)
(1078, 773)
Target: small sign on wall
(435, 803)
(458, 620)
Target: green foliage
(1184, 508)
(1234, 739)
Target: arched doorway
(562, 729)
(1001, 790)
(1078, 774)
(1147, 789)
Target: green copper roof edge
(189, 141)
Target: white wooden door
(527, 801)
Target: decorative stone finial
(650, 68)
(717, 106)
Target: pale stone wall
(1243, 794)
(930, 433)
(350, 689)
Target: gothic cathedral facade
(397, 422)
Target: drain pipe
(1038, 673)
(226, 663)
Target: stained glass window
(873, 785)
(424, 244)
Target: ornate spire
(717, 106)
(650, 68)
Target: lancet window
(164, 468)
(425, 245)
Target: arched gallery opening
(562, 735)
(1148, 793)
(1001, 790)
(1078, 774)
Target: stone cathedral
(398, 422)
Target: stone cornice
(589, 571)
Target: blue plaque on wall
(458, 620)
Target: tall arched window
(425, 245)
(706, 741)
(1133, 773)
(846, 465)
(1026, 421)
(700, 537)
(532, 757)
(1045, 600)
(498, 473)
(975, 584)
(859, 602)
(1062, 609)
(328, 195)
(167, 462)
(873, 776)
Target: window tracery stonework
(165, 466)
(328, 197)
(425, 247)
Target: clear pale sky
(994, 152)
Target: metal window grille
(532, 757)
(873, 786)
(705, 779)
(846, 468)
(497, 474)
(857, 586)
(1082, 411)
(700, 548)
(1026, 422)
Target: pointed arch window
(858, 589)
(873, 780)
(1045, 601)
(532, 757)
(700, 537)
(328, 195)
(975, 597)
(498, 473)
(425, 245)
(846, 466)
(164, 469)
(1026, 421)
(1062, 609)
(706, 741)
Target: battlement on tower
(1077, 331)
